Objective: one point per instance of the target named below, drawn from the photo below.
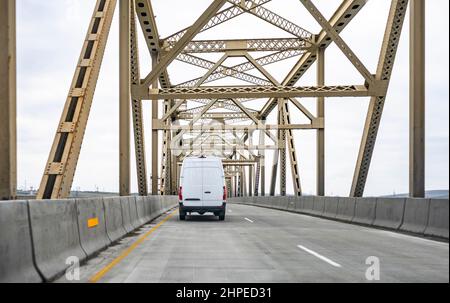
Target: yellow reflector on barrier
(93, 222)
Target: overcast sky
(50, 35)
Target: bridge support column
(155, 141)
(8, 164)
(321, 132)
(276, 157)
(262, 159)
(417, 100)
(125, 95)
(250, 181)
(282, 139)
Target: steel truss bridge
(202, 119)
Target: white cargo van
(202, 187)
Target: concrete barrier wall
(346, 209)
(331, 207)
(54, 226)
(92, 225)
(135, 222)
(51, 233)
(438, 219)
(140, 210)
(16, 263)
(113, 217)
(418, 216)
(319, 206)
(125, 203)
(307, 205)
(365, 211)
(389, 213)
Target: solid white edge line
(319, 256)
(249, 220)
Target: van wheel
(182, 217)
(222, 217)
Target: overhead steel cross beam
(248, 45)
(341, 18)
(233, 92)
(221, 17)
(385, 66)
(338, 40)
(236, 70)
(278, 21)
(178, 48)
(226, 71)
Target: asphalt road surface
(258, 245)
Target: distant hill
(432, 194)
(24, 195)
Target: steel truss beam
(214, 115)
(220, 18)
(60, 169)
(235, 70)
(158, 125)
(234, 92)
(178, 48)
(139, 137)
(248, 45)
(280, 22)
(289, 137)
(342, 17)
(226, 71)
(384, 72)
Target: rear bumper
(194, 209)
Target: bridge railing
(40, 240)
(423, 217)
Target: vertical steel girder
(320, 183)
(155, 135)
(384, 72)
(417, 100)
(126, 44)
(137, 114)
(60, 169)
(8, 129)
(282, 142)
(276, 158)
(250, 181)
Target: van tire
(182, 217)
(222, 217)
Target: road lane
(203, 249)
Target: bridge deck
(263, 245)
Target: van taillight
(180, 194)
(224, 193)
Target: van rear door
(192, 185)
(212, 185)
